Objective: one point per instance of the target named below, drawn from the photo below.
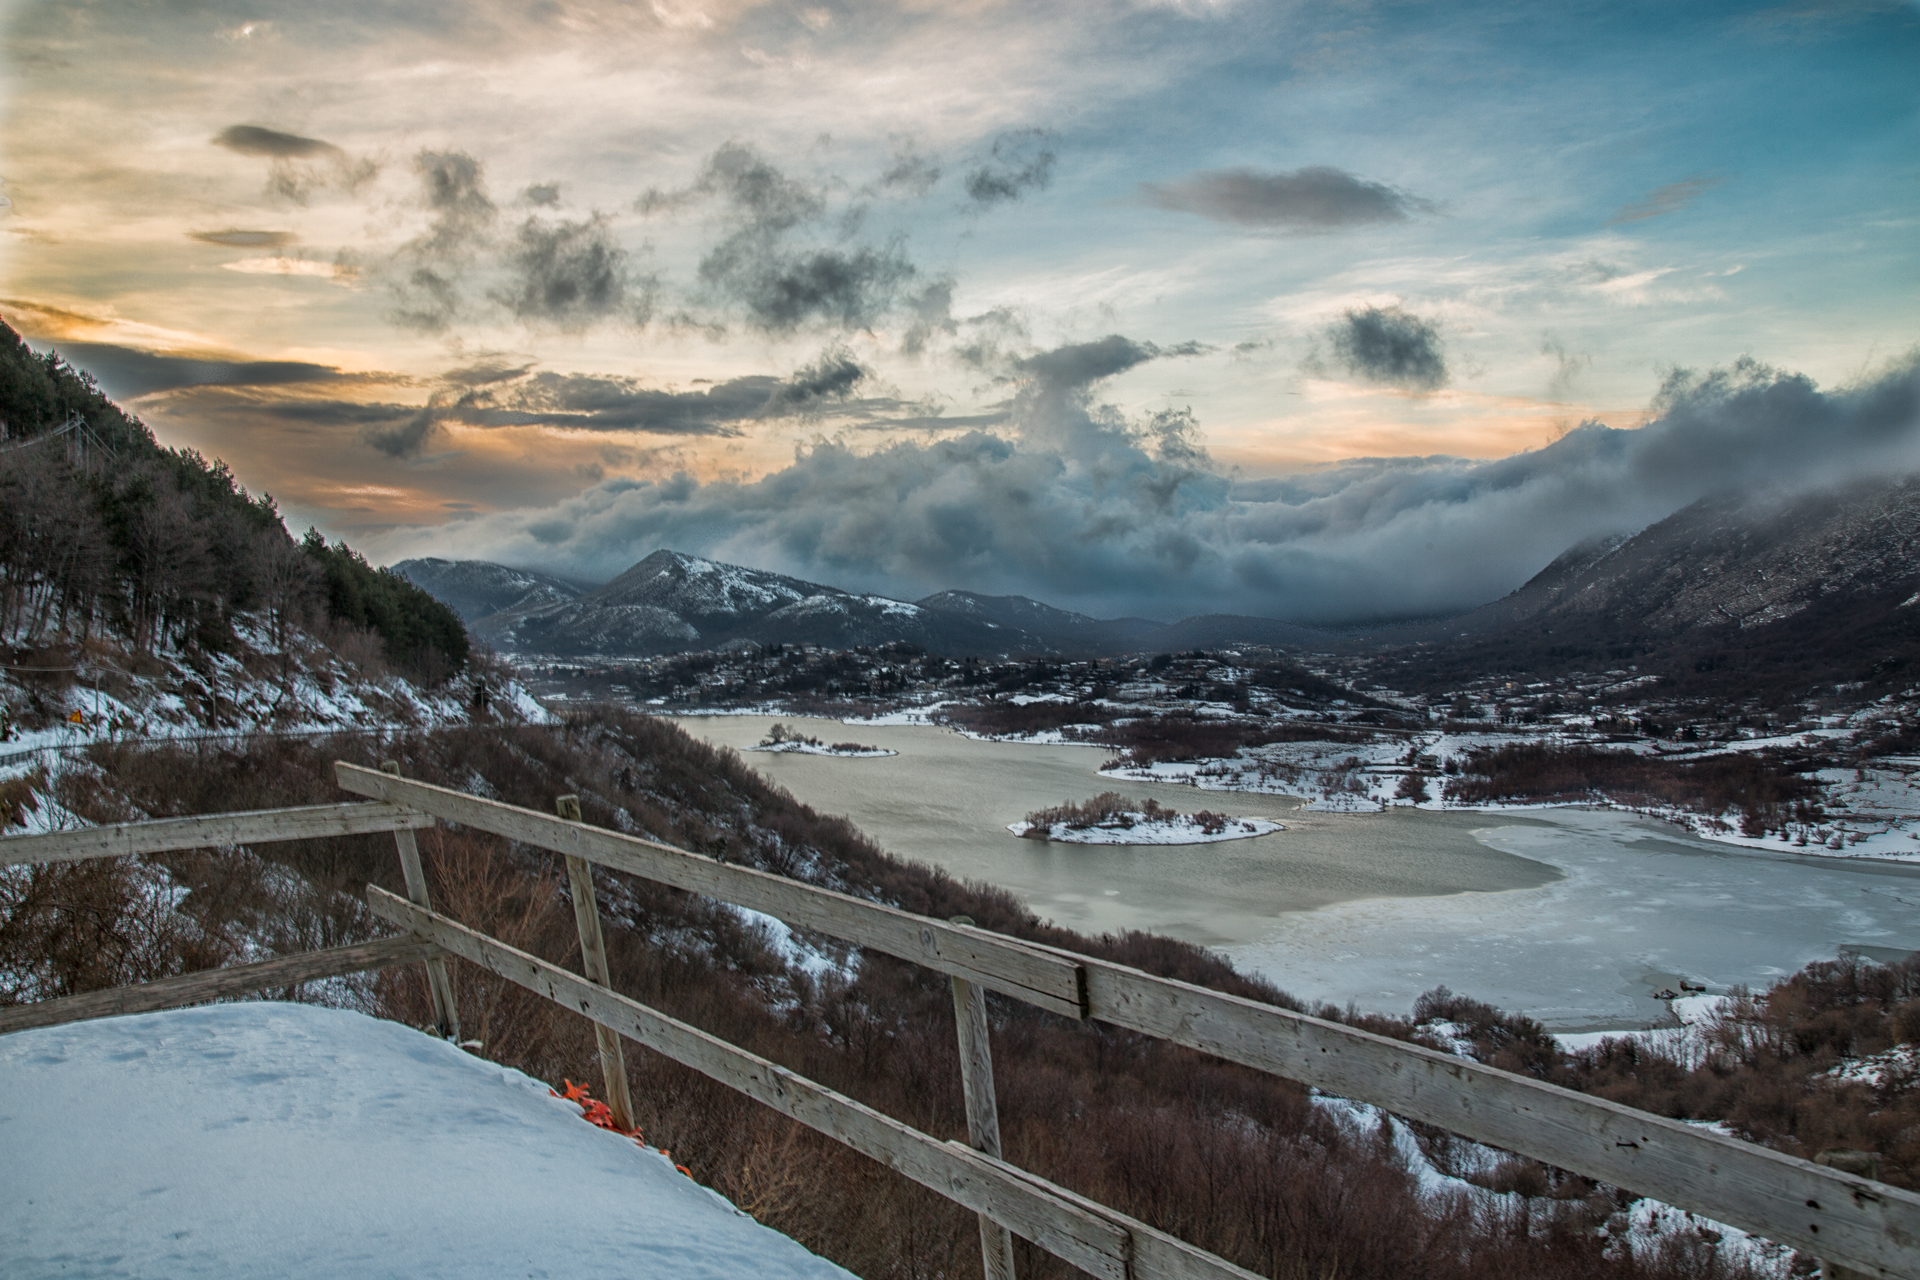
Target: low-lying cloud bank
(1070, 503)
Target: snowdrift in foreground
(1145, 829)
(281, 1139)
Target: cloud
(126, 372)
(1073, 504)
(782, 286)
(829, 379)
(909, 172)
(1316, 198)
(542, 194)
(238, 239)
(493, 396)
(300, 165)
(1568, 365)
(252, 140)
(1386, 347)
(846, 288)
(431, 268)
(568, 274)
(1080, 364)
(1020, 161)
(1662, 201)
(454, 186)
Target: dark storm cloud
(431, 268)
(239, 239)
(829, 379)
(1662, 201)
(300, 166)
(1074, 504)
(765, 267)
(129, 372)
(757, 194)
(1020, 161)
(782, 290)
(485, 373)
(1083, 363)
(252, 140)
(568, 274)
(1388, 347)
(454, 186)
(498, 396)
(909, 172)
(542, 194)
(1316, 198)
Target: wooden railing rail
(216, 984)
(1052, 981)
(219, 830)
(1861, 1227)
(163, 835)
(1098, 1240)
(1853, 1221)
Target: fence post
(593, 963)
(446, 1015)
(983, 1113)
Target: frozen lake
(1573, 916)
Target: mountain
(1770, 592)
(1074, 634)
(479, 589)
(671, 601)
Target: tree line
(106, 532)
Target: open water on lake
(1573, 916)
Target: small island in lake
(1111, 818)
(781, 738)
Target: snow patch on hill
(1140, 829)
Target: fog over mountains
(1069, 502)
(1837, 569)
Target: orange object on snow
(592, 1110)
(78, 717)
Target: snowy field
(280, 1139)
(821, 749)
(1180, 829)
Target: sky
(1329, 312)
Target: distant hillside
(1069, 634)
(1758, 594)
(671, 602)
(477, 589)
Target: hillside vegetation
(1253, 1167)
(106, 533)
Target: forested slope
(105, 532)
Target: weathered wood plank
(1086, 1239)
(446, 1014)
(997, 963)
(983, 1111)
(1155, 1253)
(593, 963)
(161, 835)
(1855, 1222)
(215, 984)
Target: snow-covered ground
(1872, 812)
(1141, 829)
(255, 689)
(823, 749)
(275, 1139)
(1639, 1230)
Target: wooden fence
(1861, 1227)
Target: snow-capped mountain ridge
(672, 601)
